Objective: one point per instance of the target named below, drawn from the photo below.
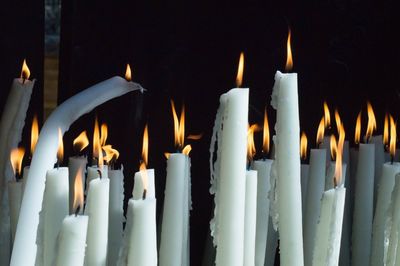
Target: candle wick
(144, 194)
(391, 159)
(334, 182)
(23, 80)
(100, 174)
(77, 210)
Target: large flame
(289, 58)
(339, 156)
(60, 151)
(187, 149)
(392, 137)
(321, 131)
(16, 157)
(25, 72)
(111, 153)
(333, 145)
(101, 158)
(251, 147)
(145, 145)
(179, 126)
(81, 141)
(303, 146)
(371, 121)
(327, 116)
(239, 76)
(78, 190)
(266, 136)
(96, 139)
(104, 134)
(338, 120)
(128, 73)
(386, 131)
(357, 132)
(34, 133)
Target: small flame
(101, 158)
(179, 126)
(289, 58)
(128, 73)
(167, 155)
(78, 190)
(371, 121)
(34, 133)
(266, 136)
(327, 116)
(60, 151)
(111, 153)
(239, 76)
(303, 146)
(16, 157)
(145, 147)
(333, 147)
(339, 156)
(338, 120)
(357, 133)
(386, 131)
(195, 136)
(321, 131)
(187, 150)
(392, 137)
(104, 134)
(25, 72)
(96, 139)
(81, 141)
(251, 147)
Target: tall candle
(379, 161)
(24, 251)
(305, 168)
(250, 219)
(15, 198)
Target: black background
(344, 52)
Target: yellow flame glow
(371, 127)
(339, 156)
(96, 139)
(266, 136)
(81, 141)
(392, 137)
(357, 132)
(289, 57)
(338, 120)
(60, 151)
(104, 134)
(179, 126)
(78, 190)
(303, 146)
(251, 147)
(327, 116)
(239, 76)
(333, 147)
(128, 73)
(321, 131)
(386, 130)
(34, 133)
(110, 153)
(25, 72)
(16, 157)
(187, 149)
(145, 145)
(195, 136)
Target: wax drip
(144, 194)
(77, 210)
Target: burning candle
(325, 144)
(97, 157)
(34, 139)
(304, 170)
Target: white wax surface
(363, 205)
(263, 168)
(392, 229)
(14, 198)
(72, 241)
(143, 238)
(137, 191)
(326, 144)
(304, 183)
(25, 177)
(385, 189)
(232, 183)
(45, 156)
(316, 185)
(74, 164)
(379, 161)
(97, 210)
(250, 219)
(92, 173)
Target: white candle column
(250, 219)
(93, 173)
(385, 189)
(379, 161)
(392, 228)
(304, 183)
(14, 198)
(263, 168)
(363, 205)
(74, 164)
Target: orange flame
(266, 136)
(104, 134)
(78, 190)
(187, 150)
(145, 147)
(239, 76)
(101, 158)
(357, 133)
(392, 137)
(251, 147)
(195, 136)
(386, 131)
(60, 151)
(167, 155)
(179, 126)
(128, 73)
(371, 121)
(339, 156)
(96, 139)
(321, 131)
(327, 116)
(338, 120)
(303, 146)
(110, 153)
(333, 147)
(34, 133)
(16, 157)
(25, 72)
(81, 141)
(289, 58)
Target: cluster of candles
(325, 211)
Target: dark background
(344, 52)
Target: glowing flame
(60, 151)
(266, 136)
(167, 155)
(34, 133)
(327, 116)
(239, 76)
(78, 190)
(392, 137)
(81, 141)
(289, 58)
(187, 150)
(251, 147)
(145, 146)
(111, 153)
(321, 131)
(371, 121)
(338, 120)
(128, 73)
(101, 158)
(333, 147)
(195, 137)
(25, 72)
(339, 156)
(104, 134)
(179, 126)
(16, 157)
(303, 146)
(386, 130)
(96, 139)
(357, 133)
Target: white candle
(379, 161)
(316, 185)
(55, 208)
(363, 205)
(25, 177)
(385, 189)
(305, 168)
(250, 219)
(93, 173)
(14, 198)
(392, 229)
(137, 191)
(76, 163)
(263, 168)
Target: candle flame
(321, 131)
(339, 156)
(179, 126)
(128, 73)
(104, 134)
(81, 141)
(333, 147)
(16, 157)
(289, 58)
(145, 146)
(266, 136)
(167, 155)
(303, 146)
(96, 139)
(357, 133)
(371, 121)
(34, 133)
(195, 136)
(239, 76)
(78, 190)
(392, 137)
(338, 120)
(327, 116)
(60, 151)
(386, 131)
(111, 153)
(25, 72)
(187, 150)
(251, 147)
